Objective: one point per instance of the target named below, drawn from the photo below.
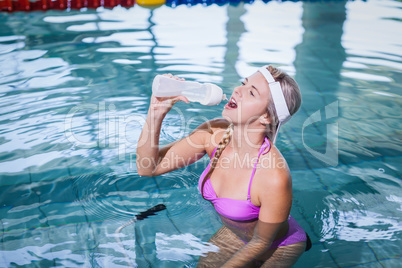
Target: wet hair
(221, 146)
(292, 96)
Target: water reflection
(235, 28)
(319, 60)
(105, 60)
(181, 247)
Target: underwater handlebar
(138, 217)
(141, 216)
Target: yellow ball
(150, 3)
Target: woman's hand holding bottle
(148, 154)
(160, 106)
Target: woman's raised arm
(153, 161)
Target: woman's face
(249, 101)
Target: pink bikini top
(237, 210)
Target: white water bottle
(206, 94)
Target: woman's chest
(231, 181)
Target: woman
(248, 180)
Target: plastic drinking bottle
(206, 93)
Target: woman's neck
(246, 140)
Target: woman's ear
(265, 119)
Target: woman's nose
(237, 91)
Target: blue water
(74, 92)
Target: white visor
(279, 100)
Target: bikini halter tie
(264, 146)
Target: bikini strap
(265, 148)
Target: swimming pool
(74, 92)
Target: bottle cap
(215, 95)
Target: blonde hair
(221, 146)
(292, 95)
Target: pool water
(74, 93)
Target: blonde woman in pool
(248, 180)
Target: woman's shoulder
(214, 126)
(274, 169)
(273, 181)
(213, 131)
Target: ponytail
(221, 146)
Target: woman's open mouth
(232, 103)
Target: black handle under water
(150, 212)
